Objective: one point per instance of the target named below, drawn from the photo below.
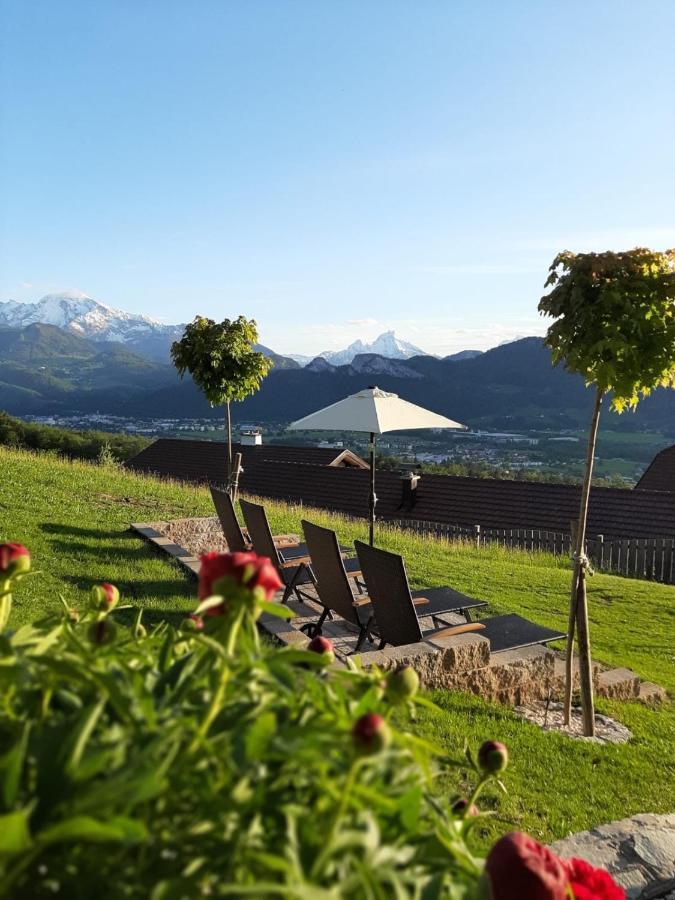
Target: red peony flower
(589, 883)
(519, 868)
(220, 570)
(14, 560)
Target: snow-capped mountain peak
(388, 344)
(77, 312)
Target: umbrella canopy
(374, 411)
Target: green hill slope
(60, 369)
(74, 517)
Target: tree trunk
(569, 652)
(578, 604)
(228, 425)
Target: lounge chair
(292, 563)
(237, 539)
(333, 575)
(397, 610)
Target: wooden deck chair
(397, 610)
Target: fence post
(600, 551)
(476, 529)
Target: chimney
(251, 437)
(408, 491)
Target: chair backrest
(228, 520)
(332, 583)
(259, 530)
(389, 592)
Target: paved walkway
(637, 851)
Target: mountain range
(49, 370)
(85, 317)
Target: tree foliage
(221, 359)
(70, 443)
(615, 320)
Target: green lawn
(74, 518)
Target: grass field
(74, 517)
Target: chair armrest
(458, 629)
(296, 561)
(361, 601)
(419, 601)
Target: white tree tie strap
(584, 562)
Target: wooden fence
(651, 558)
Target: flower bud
(371, 734)
(518, 867)
(402, 684)
(462, 808)
(104, 597)
(193, 622)
(102, 632)
(323, 646)
(14, 560)
(493, 757)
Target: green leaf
(11, 767)
(14, 832)
(83, 732)
(259, 735)
(118, 829)
(276, 609)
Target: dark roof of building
(660, 474)
(304, 474)
(206, 461)
(450, 500)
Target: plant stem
(5, 603)
(345, 797)
(219, 694)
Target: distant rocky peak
(386, 344)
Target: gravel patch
(549, 717)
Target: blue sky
(332, 168)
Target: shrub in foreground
(198, 761)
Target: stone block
(463, 652)
(513, 677)
(619, 684)
(373, 658)
(424, 659)
(651, 693)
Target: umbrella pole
(373, 499)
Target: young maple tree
(223, 363)
(614, 325)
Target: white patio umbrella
(374, 411)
